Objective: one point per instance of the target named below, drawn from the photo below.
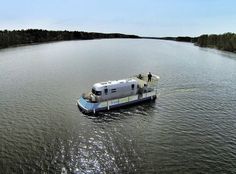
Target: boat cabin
(114, 89)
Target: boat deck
(144, 80)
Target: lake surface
(191, 128)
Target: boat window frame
(132, 86)
(113, 90)
(95, 92)
(105, 91)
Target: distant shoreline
(225, 42)
(17, 38)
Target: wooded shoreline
(225, 42)
(34, 36)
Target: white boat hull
(89, 107)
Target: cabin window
(113, 90)
(132, 86)
(96, 92)
(105, 91)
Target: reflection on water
(226, 54)
(97, 153)
(190, 128)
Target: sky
(155, 18)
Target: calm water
(191, 128)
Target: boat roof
(134, 79)
(114, 83)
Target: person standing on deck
(149, 77)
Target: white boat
(114, 94)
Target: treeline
(226, 41)
(181, 39)
(19, 37)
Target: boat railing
(109, 103)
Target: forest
(21, 37)
(226, 41)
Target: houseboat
(114, 94)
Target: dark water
(191, 128)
